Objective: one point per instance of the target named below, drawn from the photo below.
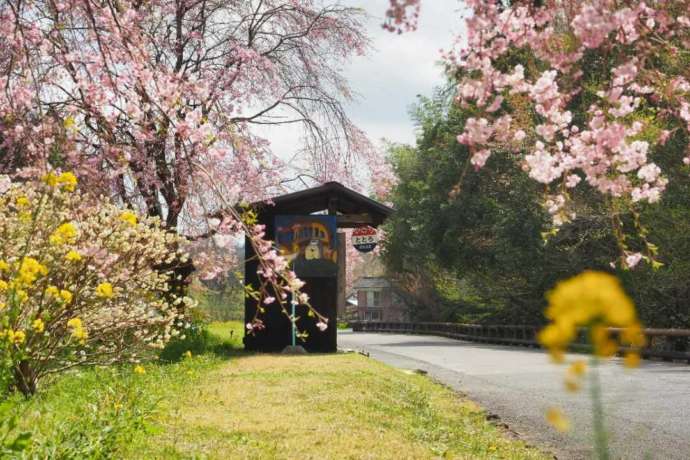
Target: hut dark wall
(352, 209)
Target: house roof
(367, 282)
(329, 195)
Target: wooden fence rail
(667, 344)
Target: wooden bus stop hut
(304, 227)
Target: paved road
(648, 409)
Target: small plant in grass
(595, 301)
(81, 281)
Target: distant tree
(482, 251)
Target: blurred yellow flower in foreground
(557, 419)
(631, 359)
(595, 300)
(578, 368)
(139, 369)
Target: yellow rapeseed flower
(3, 305)
(104, 290)
(68, 181)
(52, 291)
(73, 256)
(29, 270)
(16, 337)
(572, 384)
(22, 202)
(129, 217)
(633, 335)
(51, 179)
(21, 295)
(24, 216)
(590, 299)
(138, 369)
(65, 233)
(631, 360)
(66, 295)
(38, 325)
(557, 419)
(589, 296)
(4, 266)
(79, 332)
(578, 368)
(187, 354)
(3, 286)
(604, 346)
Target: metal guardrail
(666, 344)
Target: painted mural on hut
(309, 244)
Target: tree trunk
(25, 378)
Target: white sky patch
(386, 82)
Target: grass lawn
(236, 405)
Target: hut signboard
(364, 239)
(309, 243)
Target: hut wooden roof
(333, 197)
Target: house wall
(387, 310)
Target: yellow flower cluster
(595, 300)
(66, 180)
(105, 290)
(73, 256)
(138, 369)
(38, 325)
(64, 234)
(22, 202)
(13, 337)
(79, 332)
(62, 295)
(129, 217)
(29, 270)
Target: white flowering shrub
(82, 282)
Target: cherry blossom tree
(151, 101)
(592, 94)
(155, 104)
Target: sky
(399, 67)
(388, 79)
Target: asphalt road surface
(647, 409)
